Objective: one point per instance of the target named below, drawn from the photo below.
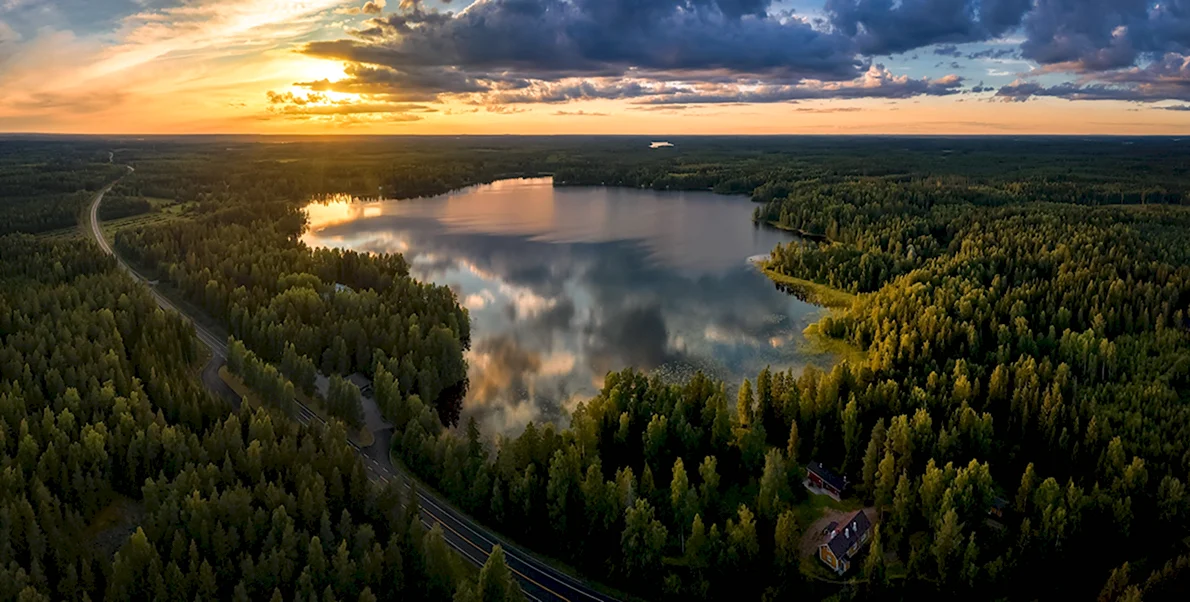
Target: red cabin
(822, 478)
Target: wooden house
(841, 544)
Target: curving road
(540, 582)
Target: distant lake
(565, 284)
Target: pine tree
(775, 492)
(495, 580)
(787, 540)
(642, 540)
(744, 404)
(791, 447)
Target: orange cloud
(191, 66)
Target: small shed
(823, 478)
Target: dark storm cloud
(551, 38)
(1084, 35)
(412, 84)
(948, 50)
(583, 90)
(1172, 71)
(888, 27)
(876, 83)
(1074, 91)
(501, 53)
(1094, 35)
(1167, 79)
(995, 53)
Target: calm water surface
(565, 284)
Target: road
(540, 582)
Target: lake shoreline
(820, 238)
(369, 198)
(833, 300)
(811, 292)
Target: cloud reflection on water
(611, 286)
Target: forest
(124, 479)
(106, 432)
(45, 186)
(1026, 336)
(1023, 314)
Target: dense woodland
(47, 186)
(124, 480)
(1026, 337)
(242, 263)
(1023, 319)
(98, 406)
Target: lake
(564, 284)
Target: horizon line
(11, 135)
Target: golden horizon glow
(220, 66)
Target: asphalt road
(540, 582)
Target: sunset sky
(595, 66)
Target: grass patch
(162, 211)
(110, 227)
(815, 342)
(157, 202)
(837, 301)
(813, 507)
(812, 292)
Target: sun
(301, 71)
(311, 69)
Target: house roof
(827, 476)
(845, 535)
